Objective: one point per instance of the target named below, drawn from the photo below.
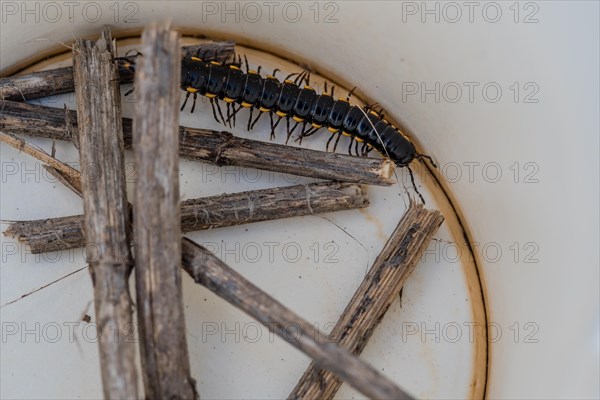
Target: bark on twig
(105, 204)
(220, 148)
(209, 271)
(157, 230)
(369, 304)
(62, 233)
(60, 80)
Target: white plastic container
(503, 95)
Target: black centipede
(296, 102)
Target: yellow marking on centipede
(191, 90)
(333, 130)
(373, 113)
(228, 100)
(127, 65)
(251, 71)
(325, 94)
(308, 87)
(271, 77)
(234, 67)
(245, 104)
(346, 133)
(196, 59)
(288, 81)
(298, 119)
(359, 140)
(342, 99)
(215, 63)
(211, 95)
(316, 125)
(263, 109)
(281, 113)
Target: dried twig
(157, 231)
(209, 271)
(380, 287)
(105, 205)
(60, 80)
(220, 148)
(54, 234)
(68, 175)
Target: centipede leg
(229, 114)
(250, 118)
(289, 133)
(307, 79)
(272, 126)
(214, 111)
(194, 103)
(299, 78)
(187, 96)
(256, 119)
(329, 141)
(275, 126)
(356, 147)
(337, 141)
(233, 113)
(350, 94)
(363, 150)
(247, 65)
(220, 112)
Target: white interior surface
(547, 310)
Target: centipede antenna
(429, 158)
(194, 102)
(187, 96)
(412, 179)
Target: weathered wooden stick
(156, 229)
(220, 148)
(60, 80)
(209, 271)
(70, 175)
(105, 205)
(369, 304)
(62, 233)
